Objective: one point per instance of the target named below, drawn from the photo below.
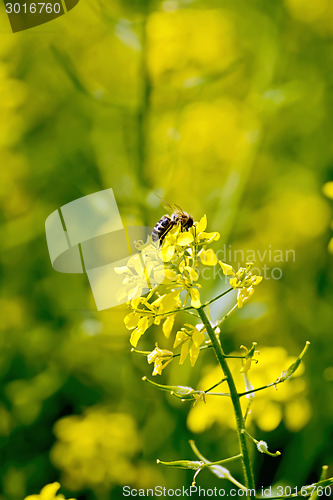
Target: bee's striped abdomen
(161, 228)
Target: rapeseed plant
(172, 271)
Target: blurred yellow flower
(161, 358)
(96, 448)
(48, 493)
(318, 13)
(328, 191)
(208, 257)
(186, 40)
(270, 407)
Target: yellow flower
(243, 280)
(199, 229)
(144, 314)
(137, 277)
(195, 298)
(248, 357)
(96, 449)
(243, 296)
(175, 243)
(191, 338)
(161, 358)
(48, 493)
(173, 265)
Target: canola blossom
(163, 280)
(242, 280)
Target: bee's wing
(177, 208)
(172, 207)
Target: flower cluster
(169, 276)
(191, 339)
(145, 313)
(242, 280)
(161, 358)
(95, 449)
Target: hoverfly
(167, 222)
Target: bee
(167, 222)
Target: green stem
(215, 385)
(247, 467)
(218, 297)
(226, 460)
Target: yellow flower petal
(209, 237)
(246, 366)
(159, 275)
(136, 302)
(158, 367)
(201, 226)
(197, 337)
(233, 282)
(195, 298)
(184, 352)
(168, 325)
(47, 493)
(194, 353)
(243, 295)
(143, 323)
(131, 320)
(185, 238)
(192, 273)
(121, 270)
(170, 275)
(135, 263)
(208, 257)
(170, 301)
(133, 292)
(135, 337)
(227, 269)
(180, 337)
(167, 253)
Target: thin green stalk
(247, 467)
(218, 296)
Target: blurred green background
(224, 108)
